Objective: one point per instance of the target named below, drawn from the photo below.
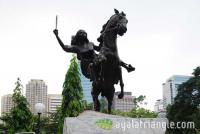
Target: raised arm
(66, 48)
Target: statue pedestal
(91, 122)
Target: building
(54, 101)
(87, 87)
(170, 88)
(158, 107)
(126, 104)
(6, 103)
(36, 92)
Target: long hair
(75, 40)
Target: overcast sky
(162, 40)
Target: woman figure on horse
(84, 50)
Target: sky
(162, 40)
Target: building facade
(87, 86)
(158, 107)
(126, 104)
(170, 88)
(6, 103)
(36, 92)
(54, 101)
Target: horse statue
(110, 72)
(103, 69)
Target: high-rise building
(126, 104)
(170, 88)
(36, 92)
(6, 103)
(54, 101)
(87, 86)
(158, 107)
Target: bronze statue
(104, 69)
(84, 50)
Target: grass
(104, 124)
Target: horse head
(110, 70)
(117, 23)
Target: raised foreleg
(128, 67)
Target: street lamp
(39, 109)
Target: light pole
(39, 109)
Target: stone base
(91, 122)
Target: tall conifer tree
(72, 101)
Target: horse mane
(100, 39)
(104, 26)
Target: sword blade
(56, 21)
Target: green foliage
(54, 120)
(72, 102)
(142, 113)
(196, 72)
(104, 124)
(8, 120)
(186, 105)
(48, 125)
(3, 129)
(136, 113)
(139, 100)
(89, 106)
(20, 117)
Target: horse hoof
(121, 95)
(130, 68)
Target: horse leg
(92, 72)
(121, 95)
(128, 67)
(102, 60)
(109, 98)
(95, 93)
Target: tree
(186, 105)
(20, 117)
(49, 124)
(89, 106)
(139, 100)
(3, 129)
(72, 102)
(53, 124)
(196, 72)
(142, 113)
(137, 112)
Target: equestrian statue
(101, 64)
